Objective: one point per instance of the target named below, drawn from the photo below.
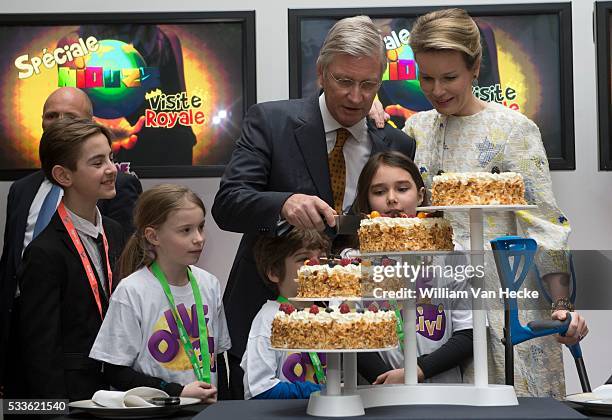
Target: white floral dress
(498, 136)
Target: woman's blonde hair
(447, 29)
(152, 210)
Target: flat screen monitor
(173, 87)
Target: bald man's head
(66, 102)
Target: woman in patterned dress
(464, 134)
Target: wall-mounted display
(173, 87)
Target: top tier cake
(477, 188)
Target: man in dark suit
(26, 197)
(62, 298)
(299, 160)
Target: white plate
(485, 207)
(333, 350)
(592, 402)
(131, 412)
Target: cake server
(347, 224)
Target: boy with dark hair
(272, 374)
(66, 278)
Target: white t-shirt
(437, 320)
(139, 329)
(263, 367)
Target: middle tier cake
(403, 233)
(329, 278)
(333, 328)
(346, 277)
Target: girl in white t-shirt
(165, 323)
(391, 184)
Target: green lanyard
(202, 371)
(399, 323)
(314, 357)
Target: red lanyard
(76, 240)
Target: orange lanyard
(76, 240)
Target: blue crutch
(575, 349)
(513, 258)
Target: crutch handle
(559, 327)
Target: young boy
(271, 374)
(66, 276)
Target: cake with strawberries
(401, 232)
(336, 327)
(345, 277)
(477, 188)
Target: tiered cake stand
(336, 399)
(351, 400)
(481, 372)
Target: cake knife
(346, 224)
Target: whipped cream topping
(484, 176)
(337, 269)
(304, 315)
(405, 221)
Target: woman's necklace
(442, 125)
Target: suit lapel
(56, 223)
(310, 137)
(23, 209)
(59, 226)
(380, 142)
(314, 151)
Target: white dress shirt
(88, 232)
(357, 150)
